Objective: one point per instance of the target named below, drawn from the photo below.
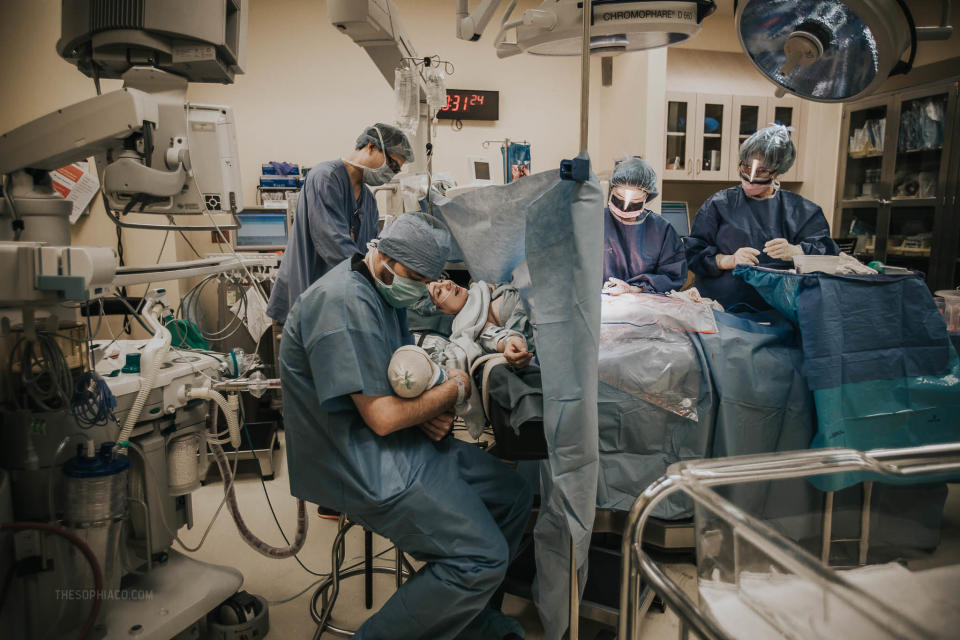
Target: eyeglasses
(762, 172)
(393, 164)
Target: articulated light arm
(470, 26)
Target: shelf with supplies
(897, 179)
(704, 133)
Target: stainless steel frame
(696, 478)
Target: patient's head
(447, 296)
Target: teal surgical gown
(448, 504)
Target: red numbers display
(470, 105)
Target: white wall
(308, 90)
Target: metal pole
(368, 568)
(585, 74)
(574, 633)
(827, 533)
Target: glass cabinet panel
(711, 159)
(919, 147)
(677, 113)
(783, 115)
(858, 231)
(911, 237)
(865, 154)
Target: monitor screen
(676, 214)
(481, 170)
(262, 229)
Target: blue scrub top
(338, 340)
(331, 225)
(649, 255)
(730, 219)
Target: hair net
(637, 173)
(394, 140)
(772, 146)
(417, 241)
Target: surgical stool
(329, 589)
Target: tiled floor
(278, 580)
(281, 580)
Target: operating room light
(824, 50)
(554, 28)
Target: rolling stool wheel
(329, 589)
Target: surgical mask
(632, 213)
(758, 190)
(402, 292)
(379, 176)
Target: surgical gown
(648, 255)
(331, 225)
(448, 504)
(729, 220)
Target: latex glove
(780, 249)
(515, 351)
(438, 427)
(743, 255)
(616, 287)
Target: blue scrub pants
(464, 516)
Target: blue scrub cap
(772, 147)
(636, 173)
(417, 241)
(394, 140)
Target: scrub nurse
(755, 223)
(642, 252)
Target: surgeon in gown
(754, 223)
(385, 461)
(336, 212)
(642, 252)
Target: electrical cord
(44, 377)
(93, 402)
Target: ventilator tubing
(258, 545)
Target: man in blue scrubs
(336, 214)
(385, 461)
(755, 223)
(642, 252)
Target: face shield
(627, 204)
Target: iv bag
(436, 88)
(407, 98)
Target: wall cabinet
(698, 136)
(897, 181)
(704, 133)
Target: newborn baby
(498, 325)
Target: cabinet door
(786, 111)
(713, 136)
(748, 117)
(862, 165)
(920, 171)
(860, 225)
(681, 111)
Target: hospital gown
(648, 255)
(331, 225)
(729, 220)
(447, 504)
